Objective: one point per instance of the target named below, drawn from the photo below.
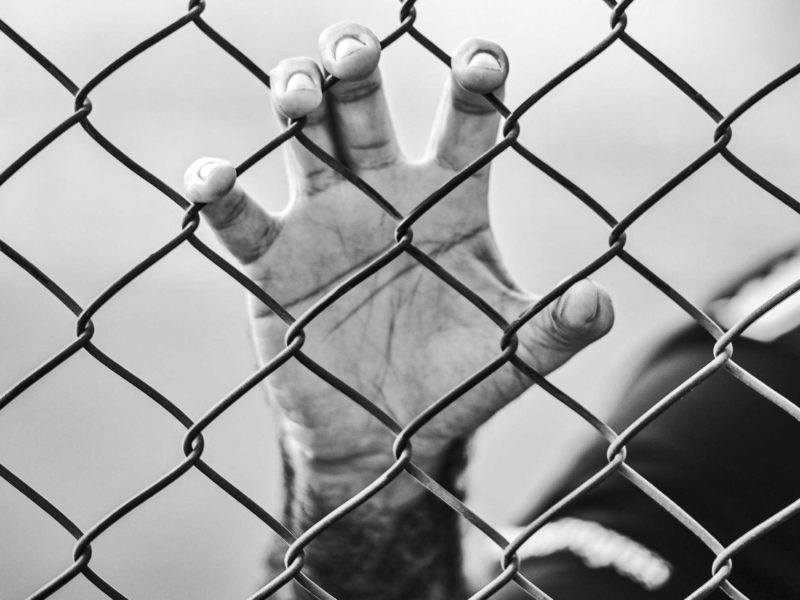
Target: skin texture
(402, 338)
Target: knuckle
(472, 104)
(557, 335)
(347, 93)
(371, 160)
(227, 214)
(320, 180)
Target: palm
(403, 337)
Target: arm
(403, 337)
(404, 543)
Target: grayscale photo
(399, 300)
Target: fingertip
(296, 87)
(208, 179)
(218, 176)
(605, 316)
(480, 66)
(585, 307)
(349, 51)
(580, 316)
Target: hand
(403, 337)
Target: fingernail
(579, 305)
(484, 60)
(346, 46)
(204, 171)
(300, 81)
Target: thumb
(242, 225)
(582, 315)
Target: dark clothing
(724, 453)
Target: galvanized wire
(403, 244)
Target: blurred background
(87, 441)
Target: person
(403, 337)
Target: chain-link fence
(403, 244)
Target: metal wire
(193, 444)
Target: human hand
(403, 337)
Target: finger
(582, 315)
(296, 85)
(466, 124)
(358, 105)
(241, 224)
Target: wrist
(335, 479)
(401, 543)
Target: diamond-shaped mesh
(403, 243)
